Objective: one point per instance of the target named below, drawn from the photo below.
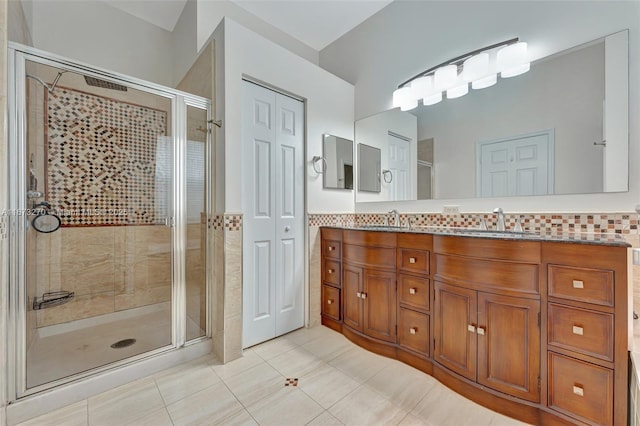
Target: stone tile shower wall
(98, 160)
(101, 158)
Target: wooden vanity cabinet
(487, 317)
(331, 276)
(587, 326)
(413, 258)
(535, 330)
(369, 284)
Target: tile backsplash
(618, 223)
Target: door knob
(287, 228)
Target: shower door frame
(18, 55)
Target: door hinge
(539, 320)
(396, 329)
(539, 383)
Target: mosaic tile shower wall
(101, 167)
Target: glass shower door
(99, 242)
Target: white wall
(374, 131)
(101, 35)
(184, 49)
(329, 109)
(406, 38)
(210, 14)
(18, 27)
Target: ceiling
(317, 23)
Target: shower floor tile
(61, 355)
(393, 393)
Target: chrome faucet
(500, 223)
(396, 217)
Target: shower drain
(123, 343)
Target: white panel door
(400, 166)
(259, 153)
(273, 237)
(289, 230)
(519, 166)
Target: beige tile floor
(338, 383)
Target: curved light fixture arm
(387, 176)
(458, 60)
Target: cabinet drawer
(376, 257)
(581, 330)
(582, 284)
(580, 389)
(495, 274)
(413, 331)
(331, 302)
(331, 272)
(413, 292)
(331, 249)
(416, 261)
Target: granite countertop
(567, 237)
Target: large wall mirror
(561, 128)
(338, 162)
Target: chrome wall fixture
(479, 68)
(319, 164)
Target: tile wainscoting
(227, 286)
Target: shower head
(96, 82)
(41, 81)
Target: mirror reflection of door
(400, 165)
(516, 166)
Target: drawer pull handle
(331, 248)
(359, 295)
(481, 331)
(330, 271)
(578, 330)
(412, 260)
(413, 290)
(329, 302)
(578, 390)
(363, 295)
(578, 284)
(413, 330)
(471, 328)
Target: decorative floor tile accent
(291, 382)
(101, 159)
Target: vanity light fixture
(479, 69)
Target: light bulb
(458, 91)
(401, 96)
(475, 67)
(445, 77)
(485, 82)
(512, 60)
(422, 86)
(432, 99)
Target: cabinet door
(351, 301)
(509, 345)
(380, 305)
(454, 329)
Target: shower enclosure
(109, 201)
